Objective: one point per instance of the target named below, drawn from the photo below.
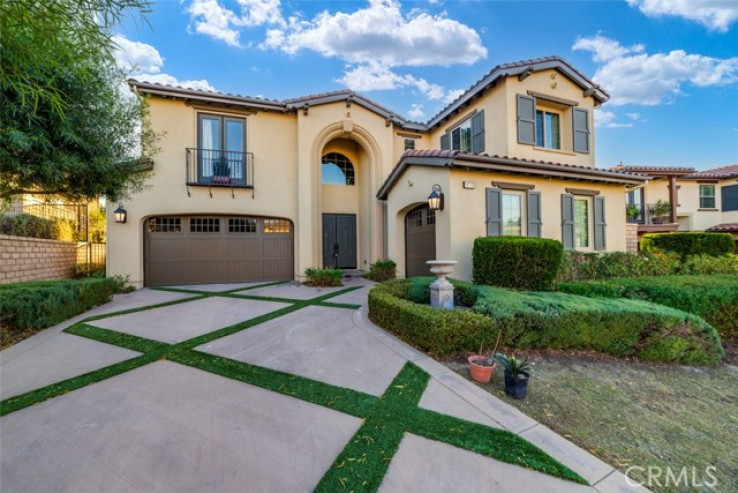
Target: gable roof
(293, 104)
(504, 164)
(655, 171)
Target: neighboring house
(255, 189)
(699, 200)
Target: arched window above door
(337, 170)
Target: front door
(339, 241)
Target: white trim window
(548, 129)
(582, 222)
(461, 136)
(707, 197)
(512, 214)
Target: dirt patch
(634, 413)
(9, 336)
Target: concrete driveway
(254, 387)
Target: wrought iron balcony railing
(646, 215)
(216, 168)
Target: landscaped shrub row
(382, 270)
(36, 305)
(689, 243)
(324, 277)
(545, 320)
(516, 262)
(577, 266)
(714, 298)
(28, 226)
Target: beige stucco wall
(689, 215)
(464, 217)
(500, 118)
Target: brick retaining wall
(631, 238)
(30, 259)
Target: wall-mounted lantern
(435, 199)
(121, 215)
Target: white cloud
(144, 62)
(633, 76)
(135, 57)
(416, 111)
(633, 116)
(381, 33)
(377, 77)
(607, 119)
(211, 18)
(453, 94)
(717, 15)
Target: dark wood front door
(339, 241)
(420, 241)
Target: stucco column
(673, 200)
(305, 226)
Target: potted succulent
(481, 367)
(517, 373)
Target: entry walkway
(261, 387)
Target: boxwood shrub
(714, 298)
(544, 320)
(40, 304)
(689, 243)
(328, 276)
(382, 270)
(516, 262)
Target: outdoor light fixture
(435, 199)
(120, 214)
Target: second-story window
(461, 137)
(707, 196)
(409, 144)
(221, 143)
(337, 170)
(548, 129)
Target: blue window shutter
(494, 212)
(567, 221)
(445, 141)
(477, 125)
(526, 119)
(533, 207)
(729, 198)
(600, 225)
(581, 130)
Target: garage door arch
(206, 248)
(420, 240)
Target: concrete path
(165, 426)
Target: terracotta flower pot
(480, 372)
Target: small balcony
(651, 218)
(217, 168)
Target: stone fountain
(442, 291)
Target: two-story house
(705, 200)
(248, 189)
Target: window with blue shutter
(580, 118)
(446, 141)
(567, 221)
(600, 224)
(477, 130)
(729, 198)
(494, 212)
(526, 107)
(533, 212)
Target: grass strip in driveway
(492, 442)
(121, 339)
(21, 401)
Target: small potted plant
(481, 367)
(659, 211)
(517, 373)
(632, 212)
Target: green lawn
(633, 413)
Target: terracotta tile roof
(647, 169)
(723, 172)
(144, 83)
(724, 228)
(340, 92)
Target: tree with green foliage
(67, 126)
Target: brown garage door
(420, 241)
(217, 249)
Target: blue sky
(671, 66)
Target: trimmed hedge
(689, 243)
(714, 298)
(28, 226)
(329, 276)
(579, 266)
(516, 262)
(40, 304)
(382, 270)
(545, 320)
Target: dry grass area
(9, 336)
(633, 413)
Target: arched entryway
(420, 240)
